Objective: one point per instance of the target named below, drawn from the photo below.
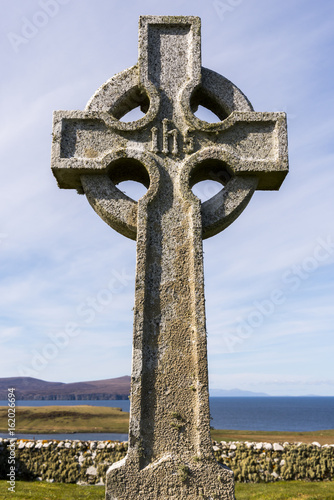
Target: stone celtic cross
(169, 150)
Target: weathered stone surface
(169, 150)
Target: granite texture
(169, 150)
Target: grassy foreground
(66, 419)
(322, 437)
(291, 490)
(86, 418)
(36, 490)
(294, 490)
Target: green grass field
(322, 437)
(66, 419)
(294, 490)
(86, 418)
(44, 491)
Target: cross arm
(71, 155)
(81, 141)
(252, 144)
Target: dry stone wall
(86, 462)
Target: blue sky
(67, 279)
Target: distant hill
(28, 388)
(236, 393)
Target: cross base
(170, 478)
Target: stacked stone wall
(86, 462)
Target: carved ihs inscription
(167, 140)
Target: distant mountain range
(236, 393)
(28, 388)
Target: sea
(295, 414)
